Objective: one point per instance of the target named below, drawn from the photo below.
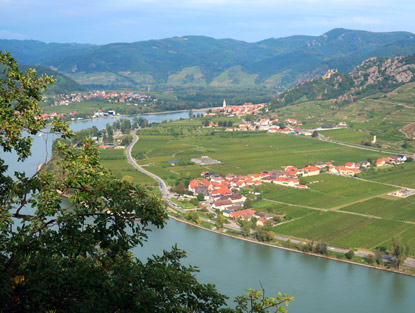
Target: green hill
(190, 61)
(63, 83)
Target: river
(318, 285)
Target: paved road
(166, 196)
(162, 185)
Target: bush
(350, 254)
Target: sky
(108, 21)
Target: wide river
(318, 285)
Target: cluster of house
(391, 160)
(266, 124)
(237, 110)
(122, 97)
(248, 214)
(220, 193)
(46, 116)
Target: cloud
(6, 34)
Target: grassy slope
(116, 161)
(383, 115)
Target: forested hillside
(203, 62)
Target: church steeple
(224, 103)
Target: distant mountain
(63, 83)
(198, 62)
(370, 77)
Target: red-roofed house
(310, 171)
(382, 161)
(193, 184)
(291, 182)
(351, 165)
(291, 170)
(245, 214)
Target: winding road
(162, 185)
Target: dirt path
(357, 201)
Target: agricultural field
(348, 135)
(291, 212)
(401, 175)
(116, 162)
(325, 191)
(347, 231)
(240, 152)
(399, 209)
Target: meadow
(116, 161)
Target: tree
(262, 234)
(350, 254)
(379, 257)
(220, 220)
(200, 196)
(255, 301)
(314, 134)
(247, 203)
(400, 251)
(246, 227)
(321, 248)
(181, 188)
(125, 126)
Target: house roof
(311, 169)
(243, 212)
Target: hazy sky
(105, 21)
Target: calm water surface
(318, 285)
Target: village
(116, 97)
(223, 194)
(289, 126)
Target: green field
(401, 175)
(347, 231)
(240, 153)
(116, 162)
(348, 135)
(291, 211)
(327, 191)
(85, 107)
(399, 209)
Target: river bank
(289, 249)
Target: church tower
(224, 103)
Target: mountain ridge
(276, 63)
